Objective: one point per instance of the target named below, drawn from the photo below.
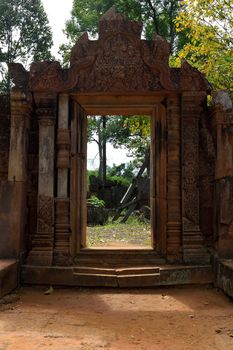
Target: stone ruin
(43, 163)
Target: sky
(58, 12)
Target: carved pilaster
(62, 218)
(222, 117)
(223, 125)
(193, 248)
(63, 148)
(62, 231)
(174, 221)
(20, 119)
(16, 199)
(43, 240)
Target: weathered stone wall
(4, 135)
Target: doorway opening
(118, 175)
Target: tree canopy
(25, 34)
(209, 27)
(157, 16)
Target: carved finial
(112, 15)
(192, 79)
(162, 48)
(19, 75)
(223, 99)
(83, 38)
(114, 22)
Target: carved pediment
(119, 61)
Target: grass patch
(132, 232)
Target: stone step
(134, 276)
(132, 271)
(8, 276)
(124, 277)
(118, 258)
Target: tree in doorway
(131, 132)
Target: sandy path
(180, 318)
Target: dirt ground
(178, 318)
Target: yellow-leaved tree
(208, 25)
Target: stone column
(193, 248)
(20, 119)
(62, 220)
(43, 241)
(174, 220)
(13, 192)
(223, 125)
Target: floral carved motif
(45, 216)
(190, 170)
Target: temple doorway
(118, 182)
(85, 107)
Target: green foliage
(209, 27)
(157, 16)
(122, 170)
(93, 173)
(118, 180)
(111, 178)
(96, 202)
(25, 35)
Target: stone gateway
(43, 166)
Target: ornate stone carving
(118, 61)
(119, 66)
(193, 244)
(62, 231)
(45, 76)
(174, 218)
(190, 170)
(45, 215)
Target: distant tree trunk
(104, 170)
(102, 150)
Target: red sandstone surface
(179, 318)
